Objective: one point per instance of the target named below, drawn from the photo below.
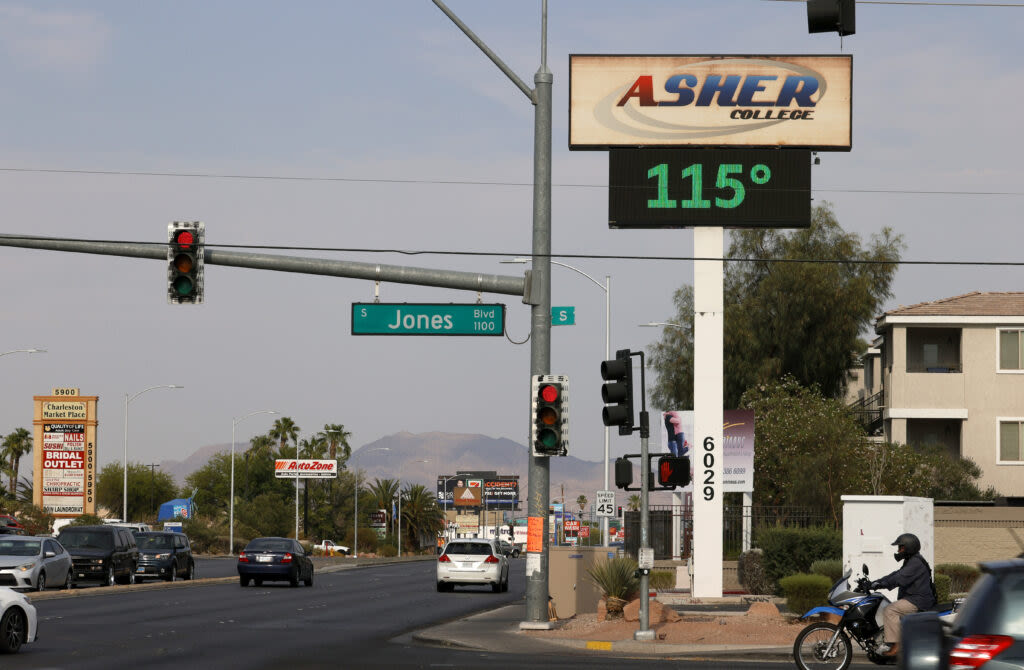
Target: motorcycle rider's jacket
(914, 579)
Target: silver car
(34, 563)
(472, 561)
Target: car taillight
(242, 558)
(974, 651)
(287, 558)
(492, 559)
(443, 558)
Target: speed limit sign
(606, 503)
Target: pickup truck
(331, 548)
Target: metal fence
(740, 525)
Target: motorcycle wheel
(810, 645)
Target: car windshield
(468, 548)
(269, 545)
(9, 547)
(154, 542)
(78, 539)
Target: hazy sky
(371, 125)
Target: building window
(1011, 350)
(1010, 441)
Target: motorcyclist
(916, 589)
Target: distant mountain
(401, 455)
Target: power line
(445, 182)
(505, 254)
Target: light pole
(355, 506)
(128, 399)
(234, 423)
(444, 489)
(24, 351)
(418, 460)
(607, 288)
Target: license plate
(264, 559)
(140, 569)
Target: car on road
(267, 559)
(472, 562)
(34, 563)
(18, 623)
(987, 630)
(509, 549)
(165, 555)
(107, 554)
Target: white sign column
(708, 387)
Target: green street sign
(405, 318)
(563, 316)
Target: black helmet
(907, 545)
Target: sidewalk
(498, 631)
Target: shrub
(831, 568)
(793, 550)
(942, 583)
(616, 578)
(662, 580)
(804, 591)
(961, 576)
(86, 520)
(750, 571)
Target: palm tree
(581, 502)
(383, 492)
(337, 437)
(16, 444)
(313, 447)
(284, 431)
(420, 514)
(634, 503)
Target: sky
(380, 126)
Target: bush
(961, 576)
(86, 520)
(206, 537)
(793, 550)
(942, 583)
(662, 580)
(616, 578)
(750, 571)
(804, 591)
(831, 568)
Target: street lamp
(234, 423)
(418, 460)
(655, 324)
(24, 351)
(607, 288)
(444, 489)
(355, 507)
(128, 399)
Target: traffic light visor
(615, 369)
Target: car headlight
(161, 557)
(26, 567)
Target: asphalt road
(355, 618)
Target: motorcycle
(827, 645)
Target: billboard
(305, 468)
(64, 468)
(738, 433)
(802, 102)
(490, 491)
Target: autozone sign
(289, 468)
(711, 100)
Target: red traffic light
(549, 393)
(184, 239)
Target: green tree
(581, 502)
(213, 485)
(15, 445)
(787, 310)
(420, 515)
(260, 452)
(146, 490)
(633, 505)
(284, 431)
(337, 440)
(382, 492)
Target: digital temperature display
(731, 188)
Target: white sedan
(472, 561)
(17, 621)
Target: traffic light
(549, 432)
(826, 16)
(673, 471)
(186, 244)
(617, 392)
(623, 473)
(618, 512)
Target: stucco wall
(974, 534)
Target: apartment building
(952, 372)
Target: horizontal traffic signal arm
(398, 274)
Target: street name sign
(563, 316)
(405, 318)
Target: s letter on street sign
(795, 102)
(729, 188)
(563, 316)
(404, 318)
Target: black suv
(107, 554)
(165, 555)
